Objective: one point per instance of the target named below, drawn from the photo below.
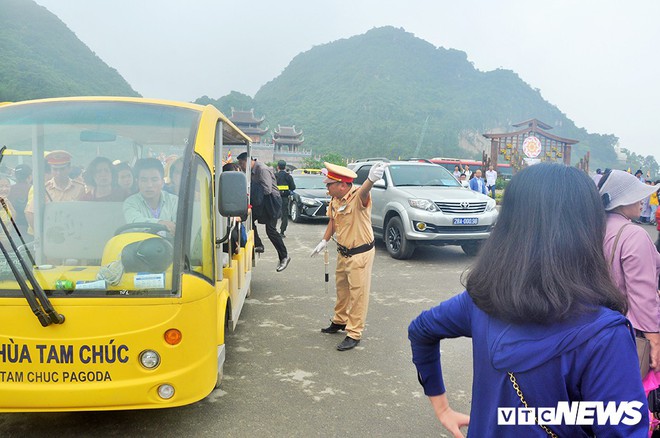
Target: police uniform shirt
(72, 192)
(352, 220)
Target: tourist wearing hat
(349, 222)
(266, 207)
(633, 258)
(59, 188)
(285, 185)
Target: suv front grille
(461, 207)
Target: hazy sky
(597, 61)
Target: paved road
(283, 378)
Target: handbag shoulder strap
(616, 241)
(518, 390)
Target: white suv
(420, 203)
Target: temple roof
(288, 140)
(286, 131)
(240, 117)
(252, 130)
(533, 123)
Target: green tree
(312, 163)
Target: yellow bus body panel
(91, 361)
(86, 363)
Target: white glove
(320, 247)
(376, 171)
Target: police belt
(350, 252)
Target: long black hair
(544, 259)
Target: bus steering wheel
(151, 227)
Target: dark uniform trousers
(285, 214)
(273, 236)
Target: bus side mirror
(232, 194)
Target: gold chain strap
(516, 387)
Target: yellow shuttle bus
(101, 314)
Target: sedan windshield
(309, 182)
(421, 175)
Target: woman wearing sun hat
(633, 258)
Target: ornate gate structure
(531, 141)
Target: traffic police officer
(60, 187)
(349, 215)
(286, 185)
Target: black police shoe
(283, 264)
(333, 328)
(259, 249)
(347, 344)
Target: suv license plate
(466, 221)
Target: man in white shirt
(151, 204)
(491, 180)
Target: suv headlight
(309, 201)
(423, 204)
(490, 205)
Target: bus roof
(231, 134)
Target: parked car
(310, 199)
(419, 203)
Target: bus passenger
(59, 188)
(98, 177)
(124, 178)
(18, 194)
(174, 176)
(5, 187)
(151, 204)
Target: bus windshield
(79, 226)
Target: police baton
(326, 262)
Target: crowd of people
(563, 294)
(148, 190)
(475, 180)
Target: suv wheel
(395, 240)
(295, 212)
(471, 248)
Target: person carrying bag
(634, 266)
